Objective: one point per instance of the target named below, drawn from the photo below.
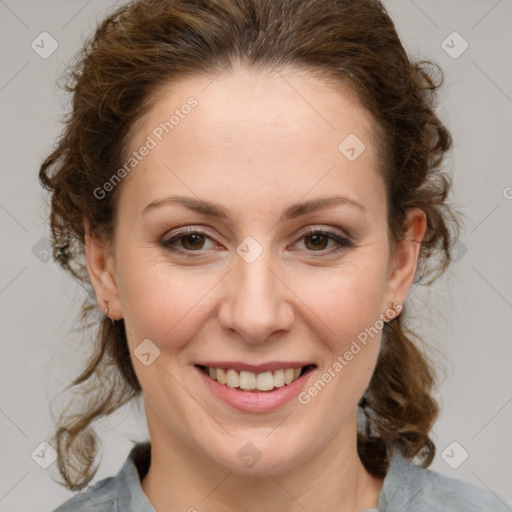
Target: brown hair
(146, 44)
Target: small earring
(106, 309)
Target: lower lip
(249, 401)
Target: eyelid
(181, 232)
(342, 239)
(323, 229)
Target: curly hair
(114, 81)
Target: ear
(100, 267)
(404, 261)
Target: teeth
(288, 375)
(279, 378)
(221, 375)
(265, 381)
(232, 378)
(249, 381)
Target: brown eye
(317, 241)
(193, 241)
(187, 241)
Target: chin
(258, 455)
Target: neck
(334, 479)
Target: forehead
(280, 128)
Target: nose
(257, 304)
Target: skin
(256, 143)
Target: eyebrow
(293, 211)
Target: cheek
(346, 313)
(348, 319)
(159, 301)
(345, 300)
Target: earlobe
(406, 256)
(99, 262)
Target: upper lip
(255, 368)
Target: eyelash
(343, 242)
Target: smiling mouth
(256, 382)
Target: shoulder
(119, 493)
(101, 496)
(409, 488)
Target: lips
(251, 381)
(256, 392)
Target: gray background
(466, 315)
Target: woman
(251, 188)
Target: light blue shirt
(406, 488)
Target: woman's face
(289, 265)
